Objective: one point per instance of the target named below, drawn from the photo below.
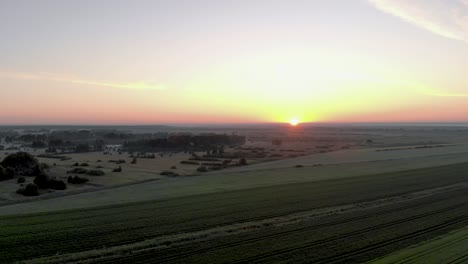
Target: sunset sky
(245, 61)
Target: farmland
(450, 248)
(348, 220)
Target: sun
(294, 121)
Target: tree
(23, 163)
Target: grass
(450, 248)
(25, 237)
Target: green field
(451, 248)
(251, 225)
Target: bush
(21, 180)
(56, 184)
(121, 161)
(134, 161)
(216, 168)
(77, 180)
(168, 173)
(78, 171)
(202, 169)
(95, 173)
(84, 164)
(30, 190)
(119, 169)
(23, 163)
(299, 166)
(173, 167)
(76, 164)
(42, 181)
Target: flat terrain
(162, 188)
(343, 219)
(450, 248)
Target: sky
(245, 61)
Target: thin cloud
(43, 76)
(447, 18)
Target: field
(348, 220)
(325, 195)
(450, 248)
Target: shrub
(78, 171)
(76, 164)
(42, 181)
(168, 173)
(21, 180)
(77, 180)
(30, 190)
(56, 184)
(84, 164)
(202, 169)
(134, 161)
(173, 167)
(95, 173)
(299, 166)
(121, 161)
(119, 169)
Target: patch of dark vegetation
(21, 180)
(46, 182)
(212, 164)
(84, 164)
(30, 190)
(78, 171)
(242, 162)
(95, 173)
(23, 164)
(77, 180)
(45, 166)
(203, 159)
(6, 173)
(188, 162)
(119, 169)
(416, 147)
(50, 156)
(134, 161)
(168, 173)
(202, 169)
(120, 161)
(185, 142)
(299, 166)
